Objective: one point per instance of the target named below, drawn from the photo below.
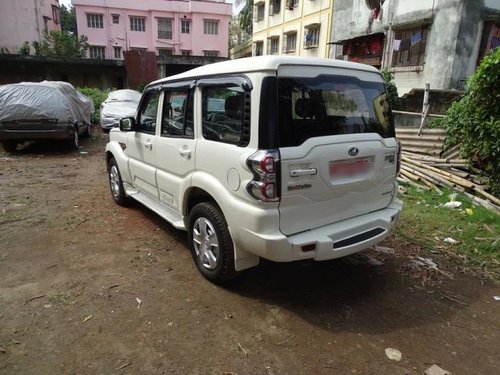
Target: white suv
(299, 163)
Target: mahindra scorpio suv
(300, 161)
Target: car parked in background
(48, 110)
(118, 104)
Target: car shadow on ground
(345, 295)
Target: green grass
(60, 299)
(478, 231)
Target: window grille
(185, 26)
(137, 24)
(408, 46)
(290, 42)
(117, 52)
(259, 48)
(211, 27)
(97, 52)
(164, 28)
(211, 53)
(273, 45)
(95, 21)
(56, 15)
(115, 18)
(311, 37)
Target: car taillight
(265, 167)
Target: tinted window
(177, 118)
(223, 109)
(330, 105)
(148, 113)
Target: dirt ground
(88, 287)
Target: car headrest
(233, 106)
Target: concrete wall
(120, 35)
(23, 20)
(452, 44)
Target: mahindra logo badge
(353, 151)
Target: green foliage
(392, 90)
(141, 86)
(475, 228)
(68, 20)
(62, 44)
(474, 121)
(97, 96)
(24, 49)
(246, 16)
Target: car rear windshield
(330, 105)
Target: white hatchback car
(301, 164)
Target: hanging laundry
(396, 43)
(417, 37)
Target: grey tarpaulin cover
(119, 104)
(44, 100)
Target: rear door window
(330, 105)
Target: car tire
(210, 243)
(9, 146)
(116, 184)
(73, 143)
(87, 133)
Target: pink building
(26, 20)
(167, 27)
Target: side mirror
(127, 124)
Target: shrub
(474, 121)
(97, 96)
(392, 90)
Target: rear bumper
(331, 241)
(55, 132)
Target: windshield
(331, 105)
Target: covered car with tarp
(118, 104)
(54, 110)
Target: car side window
(177, 118)
(147, 115)
(223, 110)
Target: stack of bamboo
(430, 173)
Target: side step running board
(161, 209)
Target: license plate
(350, 167)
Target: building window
(97, 52)
(56, 15)
(165, 52)
(311, 37)
(211, 27)
(95, 21)
(274, 7)
(259, 11)
(137, 24)
(290, 4)
(259, 48)
(408, 46)
(290, 42)
(185, 26)
(118, 52)
(185, 52)
(273, 45)
(211, 53)
(164, 28)
(490, 39)
(115, 18)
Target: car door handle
(184, 152)
(303, 172)
(148, 145)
